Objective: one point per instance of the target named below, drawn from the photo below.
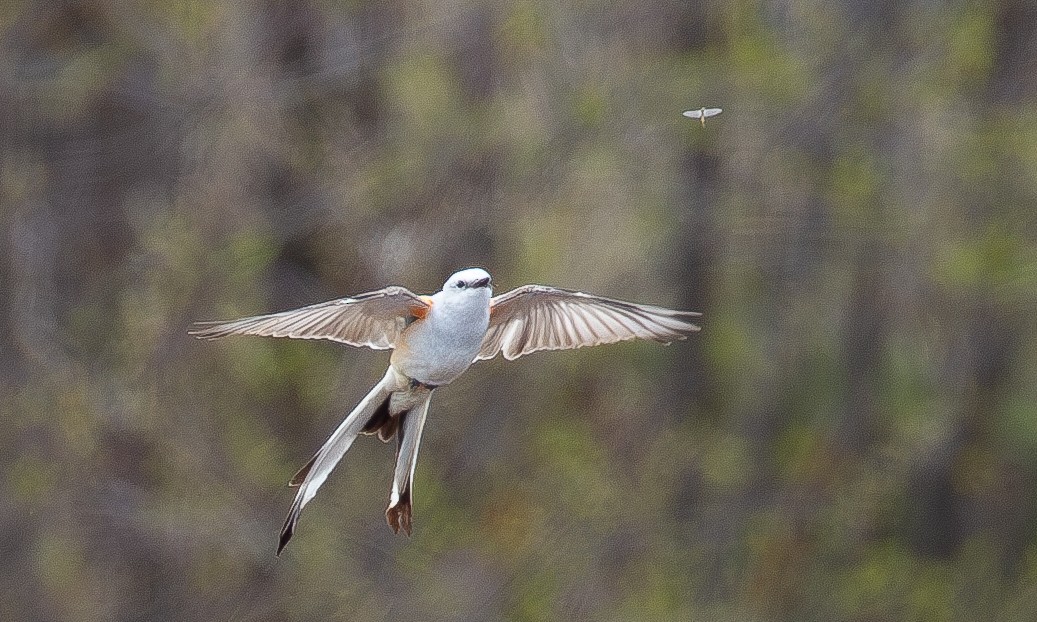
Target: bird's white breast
(439, 348)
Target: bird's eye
(459, 284)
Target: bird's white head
(469, 280)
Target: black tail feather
(300, 475)
(381, 422)
(399, 516)
(289, 527)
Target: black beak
(481, 282)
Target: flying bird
(434, 339)
(702, 114)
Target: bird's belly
(435, 356)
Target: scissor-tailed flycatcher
(434, 340)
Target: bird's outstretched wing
(374, 320)
(534, 317)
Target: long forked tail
(398, 514)
(312, 475)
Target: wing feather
(534, 318)
(374, 320)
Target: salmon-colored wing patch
(420, 311)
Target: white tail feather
(332, 451)
(398, 514)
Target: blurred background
(852, 436)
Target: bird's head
(469, 280)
